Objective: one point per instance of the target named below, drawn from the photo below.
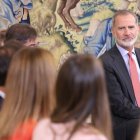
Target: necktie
(134, 78)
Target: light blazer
(119, 86)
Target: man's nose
(127, 31)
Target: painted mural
(67, 26)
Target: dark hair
(13, 45)
(21, 32)
(6, 54)
(80, 92)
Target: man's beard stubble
(127, 43)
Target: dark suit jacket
(119, 86)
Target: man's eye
(121, 28)
(131, 27)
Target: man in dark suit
(124, 105)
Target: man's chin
(127, 43)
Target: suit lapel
(120, 66)
(137, 50)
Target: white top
(46, 130)
(125, 56)
(2, 94)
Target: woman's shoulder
(87, 132)
(91, 136)
(48, 126)
(43, 122)
(45, 129)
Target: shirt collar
(124, 51)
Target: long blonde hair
(29, 88)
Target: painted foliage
(67, 26)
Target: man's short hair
(124, 13)
(21, 32)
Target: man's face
(31, 43)
(125, 31)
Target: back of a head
(29, 87)
(32, 69)
(21, 32)
(80, 92)
(13, 45)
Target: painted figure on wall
(95, 21)
(99, 35)
(66, 26)
(14, 11)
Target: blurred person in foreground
(80, 94)
(29, 88)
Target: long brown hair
(80, 92)
(29, 88)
